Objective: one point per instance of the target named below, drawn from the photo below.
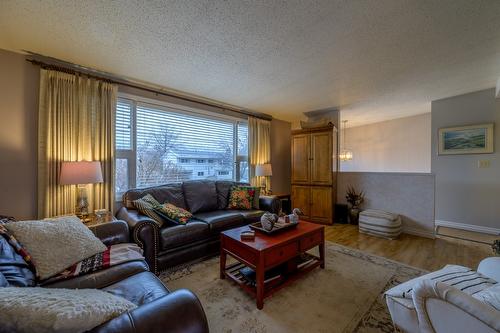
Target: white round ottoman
(380, 223)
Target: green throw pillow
(241, 198)
(147, 205)
(174, 213)
(254, 192)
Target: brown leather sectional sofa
(159, 310)
(174, 244)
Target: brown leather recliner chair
(159, 310)
(207, 200)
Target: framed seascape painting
(474, 139)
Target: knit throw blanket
(114, 255)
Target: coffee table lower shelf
(290, 274)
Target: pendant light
(345, 154)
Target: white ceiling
(375, 59)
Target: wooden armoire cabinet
(314, 173)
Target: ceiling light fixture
(345, 154)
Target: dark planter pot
(354, 215)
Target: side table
(286, 202)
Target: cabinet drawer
(281, 254)
(310, 241)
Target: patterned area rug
(346, 296)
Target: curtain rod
(71, 68)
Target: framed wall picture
(473, 139)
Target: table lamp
(264, 170)
(81, 173)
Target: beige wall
(399, 145)
(281, 155)
(19, 81)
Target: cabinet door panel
(301, 198)
(321, 204)
(300, 158)
(321, 158)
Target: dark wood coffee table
(283, 251)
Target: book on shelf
(270, 275)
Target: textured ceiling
(375, 59)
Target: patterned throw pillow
(254, 191)
(147, 206)
(18, 247)
(241, 198)
(174, 213)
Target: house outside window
(159, 143)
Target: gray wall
(19, 81)
(399, 145)
(464, 193)
(409, 194)
(281, 155)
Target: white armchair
(438, 308)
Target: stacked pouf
(380, 223)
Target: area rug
(346, 296)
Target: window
(158, 143)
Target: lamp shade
(82, 172)
(263, 170)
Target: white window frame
(131, 154)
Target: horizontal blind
(175, 146)
(123, 137)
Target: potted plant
(355, 199)
(496, 247)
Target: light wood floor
(429, 254)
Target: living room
(307, 166)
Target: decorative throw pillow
(58, 310)
(147, 205)
(21, 250)
(240, 198)
(56, 244)
(174, 213)
(254, 191)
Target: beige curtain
(259, 142)
(76, 123)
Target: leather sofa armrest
(111, 233)
(177, 312)
(270, 203)
(144, 232)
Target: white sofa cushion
(443, 308)
(490, 296)
(57, 310)
(460, 277)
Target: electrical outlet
(483, 164)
